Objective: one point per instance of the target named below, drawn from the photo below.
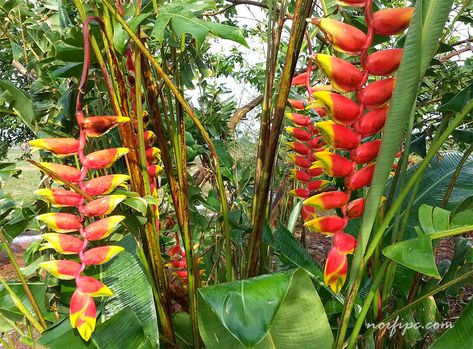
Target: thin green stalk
(187, 108)
(422, 298)
(4, 343)
(435, 146)
(12, 324)
(367, 304)
(455, 175)
(21, 307)
(22, 280)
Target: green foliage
(279, 310)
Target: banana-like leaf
(18, 102)
(271, 311)
(435, 15)
(433, 219)
(127, 279)
(416, 254)
(435, 182)
(181, 20)
(123, 330)
(459, 336)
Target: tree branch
(240, 113)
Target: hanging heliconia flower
(95, 204)
(339, 144)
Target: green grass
(22, 188)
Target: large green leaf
(18, 102)
(123, 330)
(127, 279)
(435, 15)
(416, 254)
(180, 17)
(435, 182)
(271, 311)
(459, 336)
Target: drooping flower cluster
(92, 203)
(82, 305)
(344, 141)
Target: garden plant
(333, 208)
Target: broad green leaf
(8, 308)
(127, 279)
(182, 326)
(181, 20)
(458, 102)
(121, 37)
(61, 335)
(416, 254)
(433, 219)
(463, 135)
(463, 218)
(459, 336)
(435, 15)
(19, 103)
(271, 311)
(123, 330)
(137, 203)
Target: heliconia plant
(350, 128)
(93, 202)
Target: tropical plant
(165, 224)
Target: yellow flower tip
(122, 119)
(315, 164)
(122, 151)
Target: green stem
(455, 175)
(21, 307)
(22, 280)
(367, 304)
(435, 146)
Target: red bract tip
(376, 94)
(355, 208)
(360, 178)
(385, 62)
(366, 152)
(296, 104)
(392, 21)
(371, 122)
(301, 79)
(344, 243)
(344, 37)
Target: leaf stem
(21, 307)
(23, 281)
